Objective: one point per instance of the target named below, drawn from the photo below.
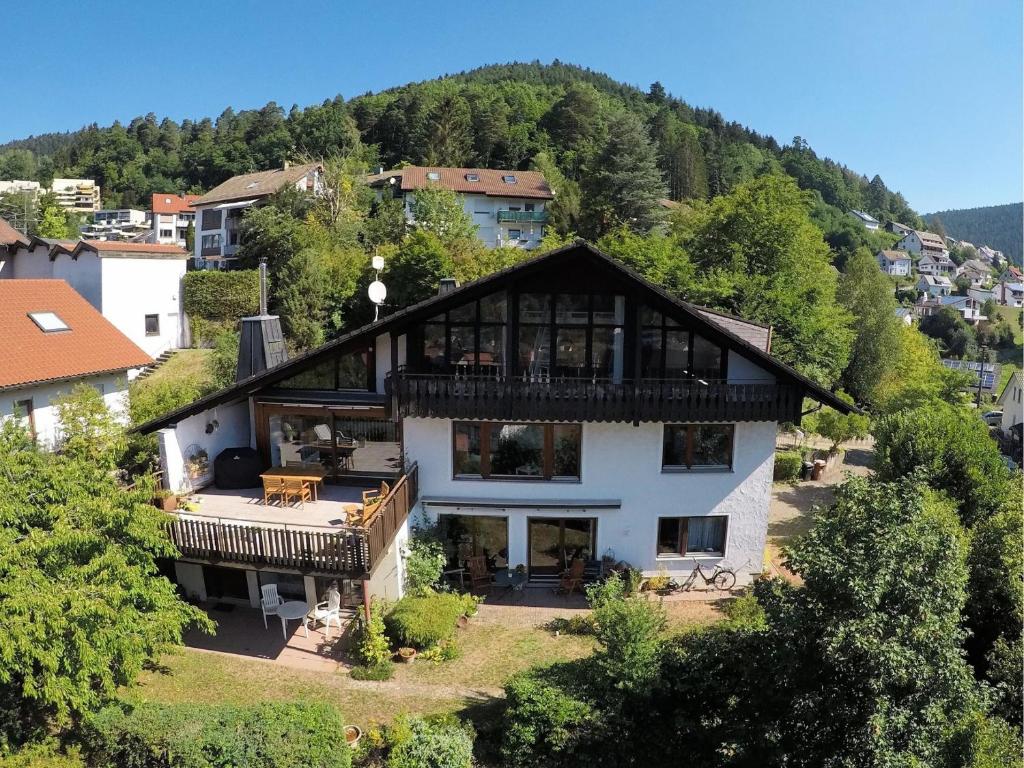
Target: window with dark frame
(668, 351)
(467, 339)
(587, 331)
(689, 536)
(211, 219)
(351, 371)
(697, 446)
(25, 417)
(152, 325)
(515, 451)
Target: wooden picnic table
(314, 475)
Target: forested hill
(496, 116)
(997, 226)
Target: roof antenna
(263, 285)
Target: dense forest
(495, 116)
(997, 226)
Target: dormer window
(509, 179)
(434, 175)
(48, 322)
(472, 177)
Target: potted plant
(165, 499)
(407, 655)
(353, 733)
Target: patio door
(555, 542)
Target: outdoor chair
(296, 489)
(326, 612)
(572, 577)
(272, 487)
(479, 575)
(269, 602)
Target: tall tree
(446, 136)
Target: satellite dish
(377, 292)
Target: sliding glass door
(556, 542)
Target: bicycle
(720, 579)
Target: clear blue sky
(927, 94)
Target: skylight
(252, 184)
(509, 179)
(433, 175)
(48, 322)
(472, 177)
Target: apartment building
(172, 214)
(78, 195)
(119, 224)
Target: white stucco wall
(113, 387)
(33, 263)
(82, 274)
(134, 288)
(232, 432)
(620, 461)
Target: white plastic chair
(326, 612)
(269, 602)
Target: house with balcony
(934, 287)
(218, 213)
(923, 244)
(507, 207)
(967, 307)
(894, 263)
(78, 195)
(118, 224)
(561, 409)
(937, 265)
(171, 216)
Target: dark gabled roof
(713, 324)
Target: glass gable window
(468, 339)
(681, 536)
(697, 446)
(670, 352)
(587, 330)
(502, 451)
(350, 371)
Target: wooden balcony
(573, 399)
(347, 551)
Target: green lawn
(183, 364)
(1010, 359)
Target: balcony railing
(342, 551)
(539, 217)
(578, 399)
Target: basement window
(48, 322)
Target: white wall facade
(84, 275)
(134, 288)
(618, 462)
(483, 210)
(232, 431)
(112, 386)
(33, 263)
(1011, 399)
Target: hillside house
(922, 244)
(218, 213)
(561, 409)
(1011, 274)
(1010, 294)
(937, 265)
(894, 263)
(897, 229)
(1011, 401)
(930, 285)
(989, 255)
(507, 207)
(968, 308)
(128, 224)
(905, 315)
(869, 221)
(54, 340)
(977, 272)
(171, 216)
(136, 286)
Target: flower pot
(166, 503)
(407, 655)
(463, 622)
(353, 733)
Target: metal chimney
(261, 343)
(263, 285)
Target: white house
(172, 215)
(1010, 294)
(118, 224)
(905, 315)
(136, 286)
(1010, 274)
(922, 243)
(934, 286)
(897, 229)
(936, 264)
(55, 339)
(969, 308)
(507, 207)
(1011, 400)
(219, 212)
(869, 221)
(977, 272)
(563, 409)
(895, 263)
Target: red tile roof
(490, 181)
(169, 203)
(9, 236)
(91, 345)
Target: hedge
(422, 622)
(544, 725)
(788, 465)
(207, 736)
(435, 742)
(216, 295)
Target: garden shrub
(225, 296)
(384, 670)
(631, 633)
(787, 466)
(424, 565)
(428, 742)
(544, 725)
(372, 645)
(423, 621)
(201, 736)
(580, 624)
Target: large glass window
(343, 446)
(466, 536)
(502, 451)
(678, 536)
(670, 352)
(351, 371)
(587, 330)
(697, 446)
(467, 339)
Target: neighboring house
(507, 207)
(969, 309)
(136, 286)
(561, 408)
(172, 215)
(1011, 401)
(1010, 294)
(55, 339)
(898, 229)
(1010, 274)
(869, 221)
(20, 185)
(936, 264)
(895, 263)
(78, 195)
(922, 244)
(981, 295)
(977, 272)
(118, 224)
(905, 315)
(989, 255)
(11, 240)
(934, 286)
(219, 212)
